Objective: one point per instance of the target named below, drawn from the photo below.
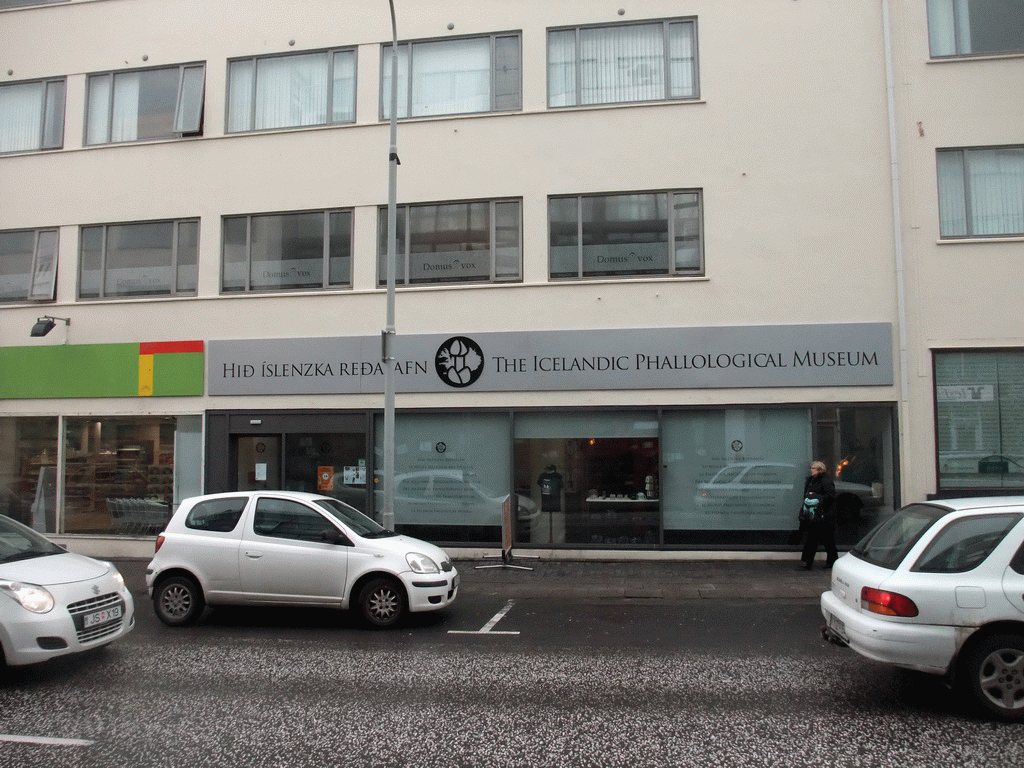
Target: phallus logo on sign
(459, 362)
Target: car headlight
(115, 575)
(31, 597)
(421, 563)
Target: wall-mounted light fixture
(47, 323)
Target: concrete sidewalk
(633, 580)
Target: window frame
(671, 272)
(948, 21)
(402, 250)
(965, 190)
(189, 107)
(325, 283)
(404, 111)
(175, 265)
(666, 84)
(42, 274)
(331, 54)
(51, 113)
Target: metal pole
(388, 337)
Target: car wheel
(994, 672)
(382, 602)
(178, 601)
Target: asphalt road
(492, 682)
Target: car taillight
(887, 603)
(159, 543)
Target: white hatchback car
(291, 548)
(53, 602)
(939, 588)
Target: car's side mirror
(334, 536)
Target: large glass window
(979, 408)
(287, 251)
(120, 473)
(151, 258)
(32, 115)
(28, 471)
(476, 241)
(972, 27)
(981, 192)
(452, 77)
(627, 234)
(592, 478)
(452, 478)
(28, 265)
(621, 63)
(145, 104)
(292, 91)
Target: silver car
(54, 603)
(292, 548)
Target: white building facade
(652, 259)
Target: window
(478, 241)
(627, 234)
(150, 258)
(889, 543)
(19, 3)
(291, 91)
(28, 265)
(454, 77)
(287, 251)
(32, 115)
(981, 192)
(620, 63)
(220, 515)
(973, 27)
(124, 474)
(145, 104)
(284, 519)
(964, 544)
(979, 411)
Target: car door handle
(254, 555)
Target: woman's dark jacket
(821, 487)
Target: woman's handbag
(809, 510)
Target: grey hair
(819, 465)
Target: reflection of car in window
(453, 497)
(774, 484)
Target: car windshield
(354, 519)
(18, 542)
(888, 544)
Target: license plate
(102, 617)
(837, 626)
(455, 583)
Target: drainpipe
(897, 236)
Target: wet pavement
(683, 579)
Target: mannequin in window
(550, 482)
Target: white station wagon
(939, 588)
(291, 548)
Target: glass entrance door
(331, 463)
(258, 462)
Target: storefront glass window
(120, 473)
(452, 477)
(979, 407)
(28, 471)
(593, 477)
(733, 475)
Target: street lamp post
(388, 336)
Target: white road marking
(45, 740)
(488, 628)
